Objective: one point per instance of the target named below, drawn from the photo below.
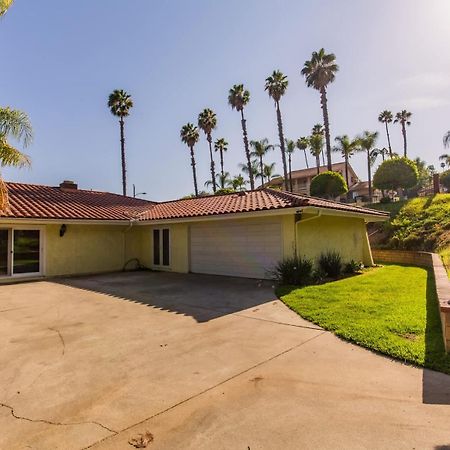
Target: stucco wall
(348, 236)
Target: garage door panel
(236, 249)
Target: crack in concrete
(210, 388)
(61, 338)
(49, 422)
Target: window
(161, 247)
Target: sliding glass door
(4, 252)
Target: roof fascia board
(31, 221)
(339, 212)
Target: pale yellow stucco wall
(348, 236)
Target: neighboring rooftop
(33, 201)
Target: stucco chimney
(68, 185)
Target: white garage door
(235, 249)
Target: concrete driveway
(201, 362)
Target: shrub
(445, 179)
(319, 275)
(222, 191)
(328, 185)
(396, 173)
(331, 263)
(353, 267)
(294, 271)
(385, 200)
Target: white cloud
(422, 102)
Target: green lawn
(391, 309)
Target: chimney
(68, 186)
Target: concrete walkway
(200, 362)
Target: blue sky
(61, 59)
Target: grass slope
(391, 309)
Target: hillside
(418, 224)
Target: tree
(386, 117)
(328, 185)
(260, 149)
(319, 72)
(346, 147)
(445, 179)
(221, 146)
(269, 172)
(302, 144)
(4, 5)
(207, 121)
(316, 147)
(366, 143)
(446, 139)
(222, 180)
(254, 170)
(120, 104)
(13, 124)
(445, 158)
(276, 85)
(396, 173)
(238, 183)
(189, 135)
(319, 129)
(403, 118)
(238, 97)
(290, 148)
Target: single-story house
(50, 231)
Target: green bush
(293, 271)
(445, 179)
(331, 263)
(222, 191)
(328, 185)
(385, 200)
(396, 173)
(353, 267)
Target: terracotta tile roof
(33, 201)
(248, 201)
(46, 202)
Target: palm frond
(16, 124)
(10, 156)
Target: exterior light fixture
(62, 230)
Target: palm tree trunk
(261, 168)
(326, 123)
(194, 174)
(388, 139)
(122, 152)
(405, 152)
(306, 159)
(221, 169)
(369, 175)
(318, 162)
(247, 150)
(283, 152)
(213, 172)
(290, 172)
(346, 169)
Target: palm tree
(316, 147)
(238, 183)
(120, 104)
(254, 169)
(269, 172)
(447, 139)
(346, 147)
(238, 97)
(4, 5)
(221, 180)
(13, 124)
(207, 121)
(319, 72)
(445, 158)
(260, 149)
(290, 148)
(276, 85)
(221, 146)
(189, 135)
(302, 144)
(402, 118)
(366, 143)
(386, 117)
(319, 129)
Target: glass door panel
(4, 245)
(26, 248)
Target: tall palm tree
(221, 146)
(120, 104)
(366, 143)
(4, 5)
(13, 124)
(207, 121)
(276, 85)
(290, 149)
(269, 172)
(238, 183)
(346, 147)
(254, 168)
(260, 149)
(316, 147)
(319, 72)
(319, 129)
(302, 144)
(386, 117)
(445, 158)
(238, 97)
(189, 135)
(403, 118)
(446, 139)
(221, 180)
